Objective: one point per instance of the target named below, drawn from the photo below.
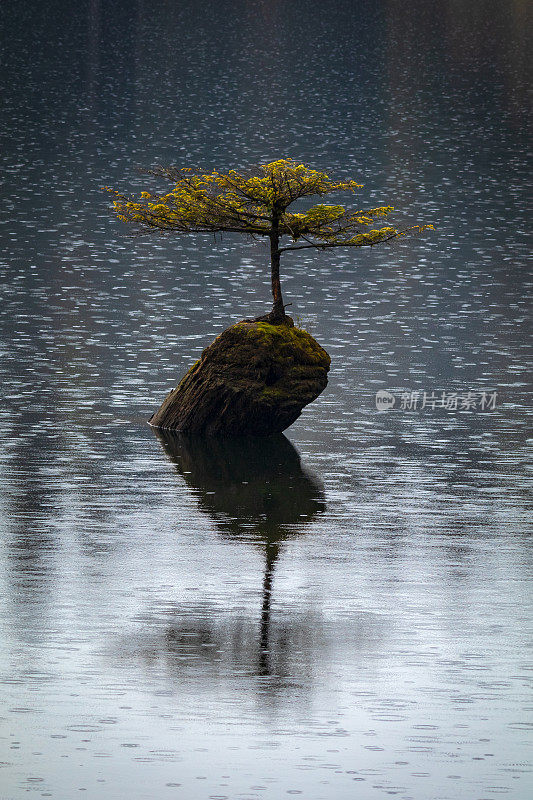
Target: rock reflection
(251, 487)
(254, 489)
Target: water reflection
(253, 489)
(250, 487)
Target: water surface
(338, 613)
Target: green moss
(283, 340)
(274, 393)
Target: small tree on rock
(256, 203)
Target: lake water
(339, 613)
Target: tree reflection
(254, 489)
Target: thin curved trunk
(278, 310)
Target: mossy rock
(254, 379)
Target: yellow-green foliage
(256, 203)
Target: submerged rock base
(253, 380)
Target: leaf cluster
(256, 203)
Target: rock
(254, 379)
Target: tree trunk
(277, 308)
(277, 315)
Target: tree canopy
(256, 202)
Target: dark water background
(342, 615)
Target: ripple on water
(221, 621)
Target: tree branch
(327, 245)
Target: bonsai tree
(257, 203)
